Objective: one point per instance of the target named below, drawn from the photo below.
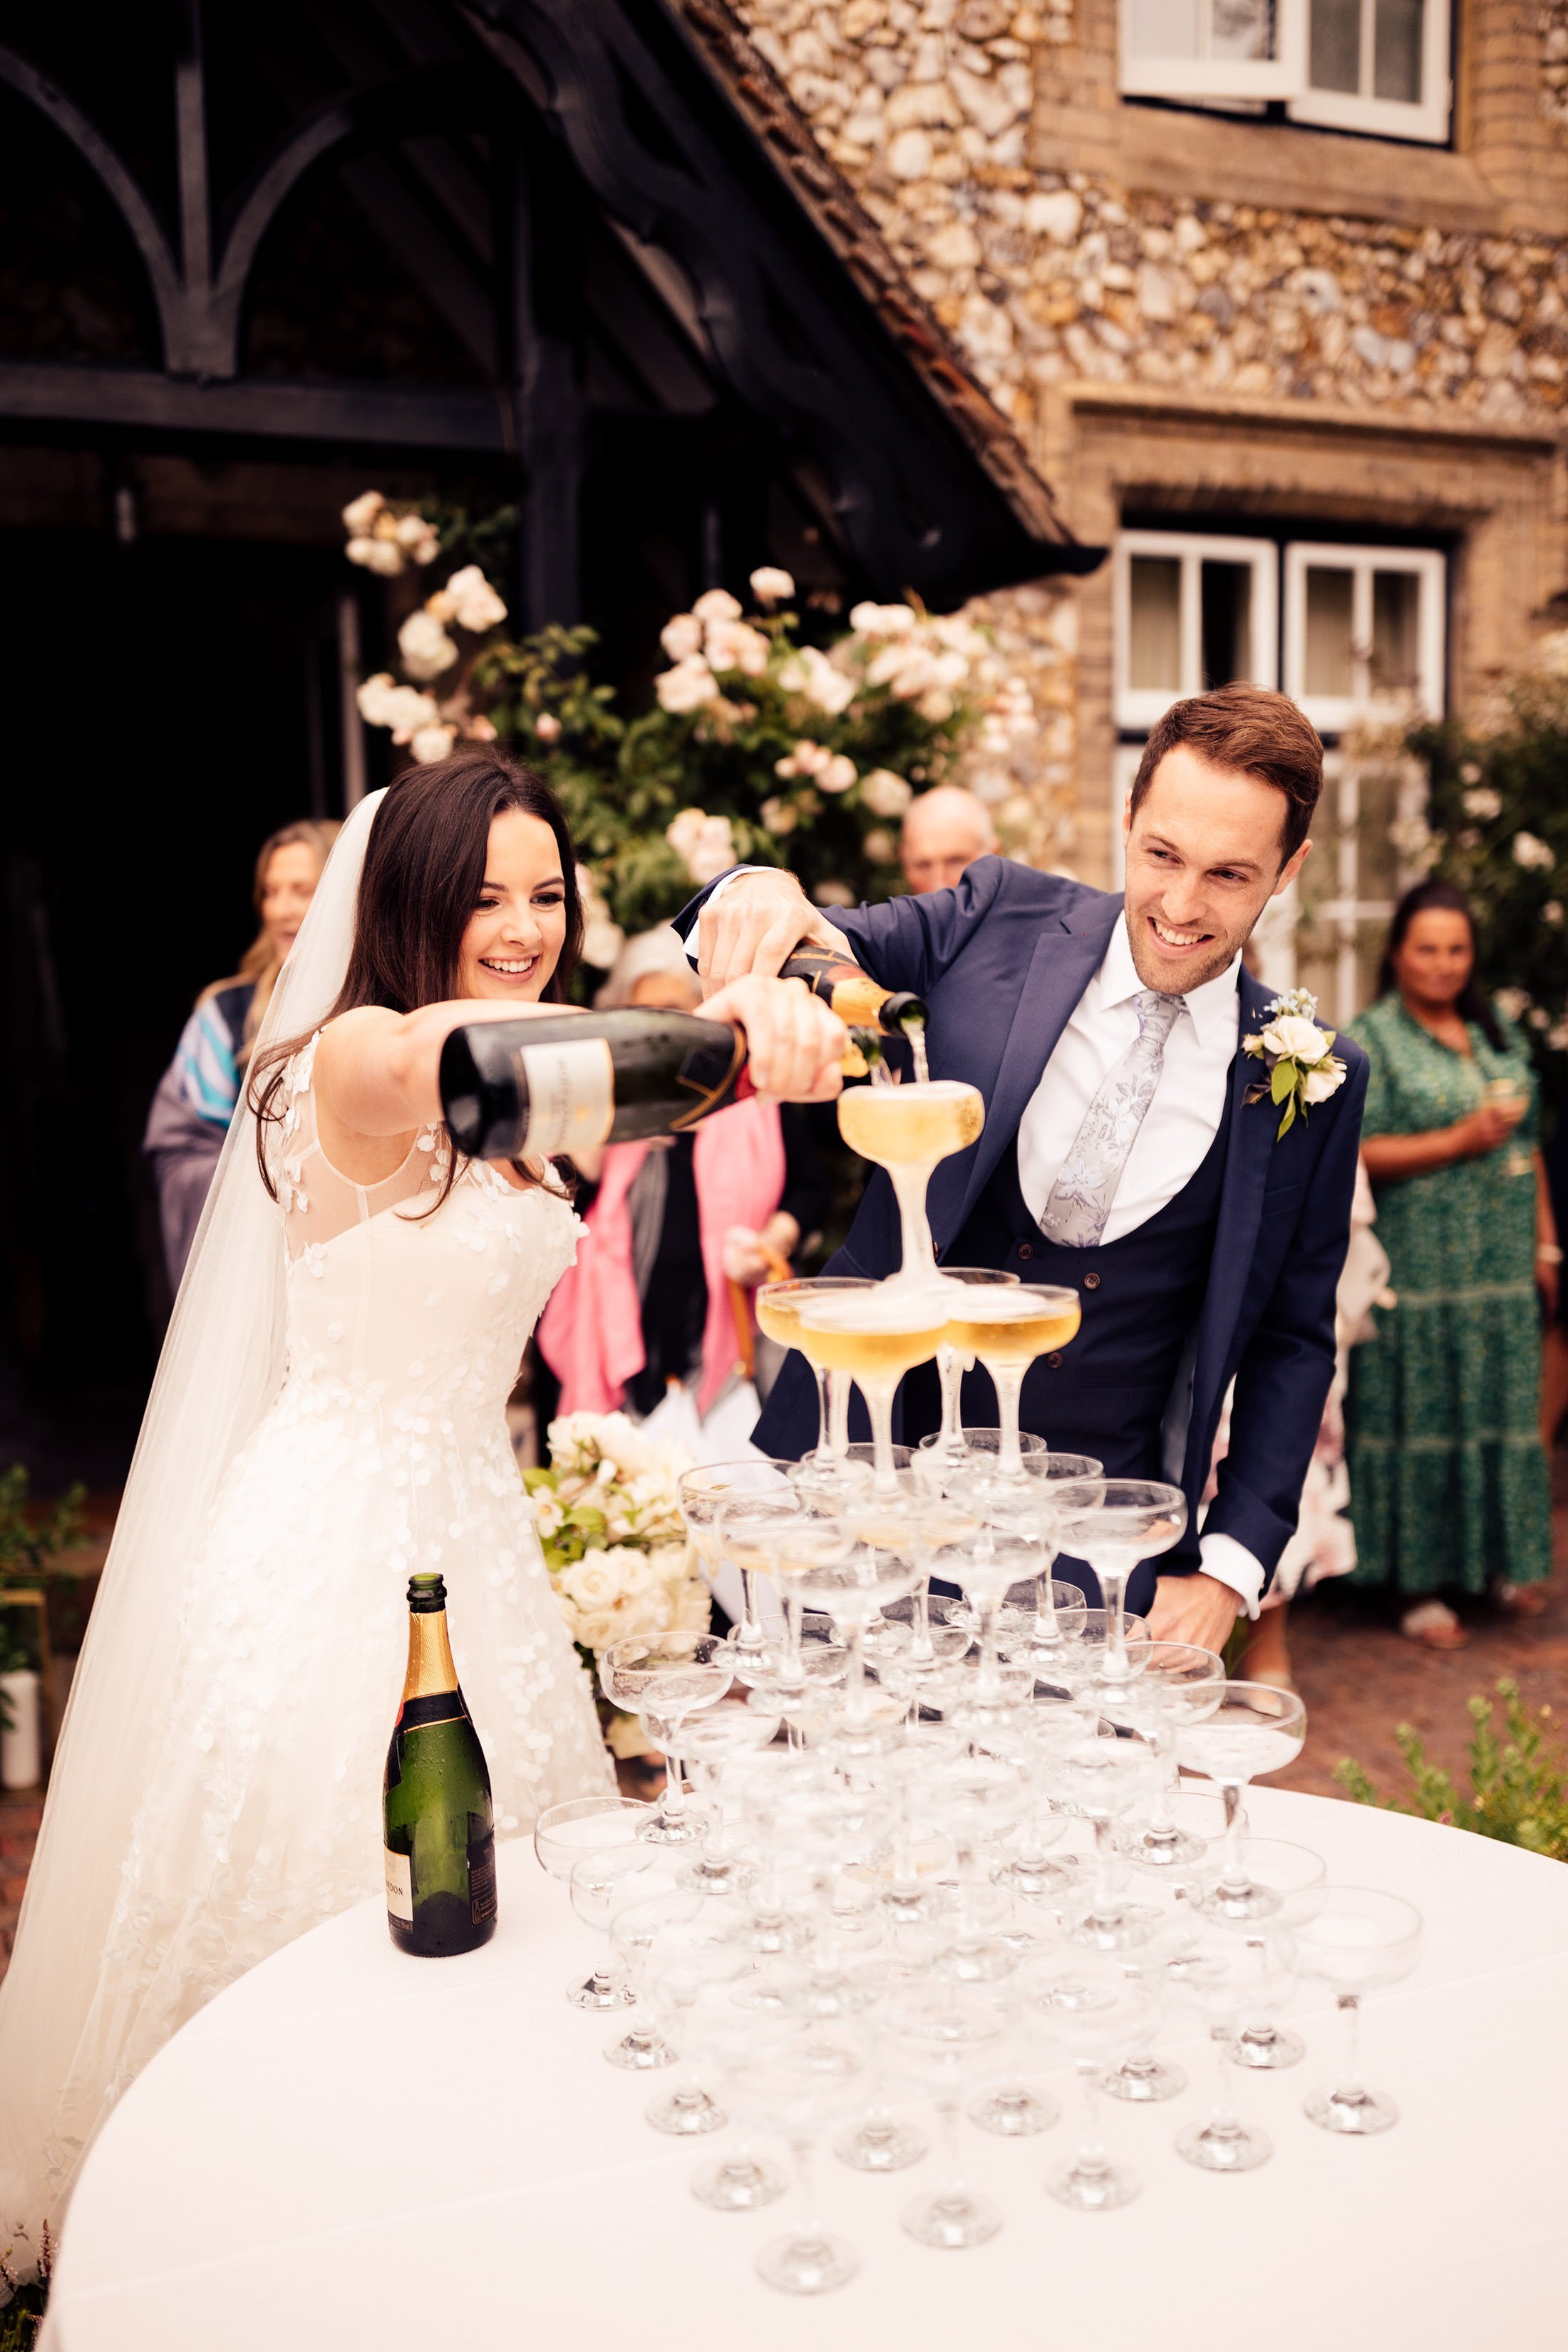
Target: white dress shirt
(1179, 1125)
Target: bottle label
(482, 1877)
(399, 1886)
(571, 1095)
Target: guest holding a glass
(1448, 1482)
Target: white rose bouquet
(1302, 1068)
(609, 1513)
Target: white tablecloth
(353, 2147)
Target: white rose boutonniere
(1297, 1056)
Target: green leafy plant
(28, 1544)
(1519, 1782)
(22, 2314)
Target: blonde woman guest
(197, 1095)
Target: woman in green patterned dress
(1448, 1481)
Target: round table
(350, 2147)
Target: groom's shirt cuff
(690, 935)
(1231, 1563)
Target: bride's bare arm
(375, 1072)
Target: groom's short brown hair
(1255, 729)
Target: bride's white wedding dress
(384, 1451)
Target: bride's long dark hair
(424, 865)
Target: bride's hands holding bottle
(794, 1044)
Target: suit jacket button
(1055, 1360)
(1026, 1249)
(1091, 1282)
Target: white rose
(780, 816)
(717, 604)
(686, 687)
(359, 514)
(384, 703)
(833, 894)
(468, 600)
(547, 726)
(881, 620)
(769, 586)
(690, 1608)
(1484, 803)
(1532, 853)
(1553, 913)
(549, 1516)
(601, 942)
(812, 675)
(426, 648)
(428, 743)
(1319, 1083)
(595, 1631)
(706, 843)
(734, 644)
(884, 793)
(383, 555)
(880, 845)
(594, 1581)
(837, 774)
(1302, 1040)
(681, 637)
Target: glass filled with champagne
(907, 1130)
(877, 1335)
(437, 1824)
(1005, 1330)
(779, 1308)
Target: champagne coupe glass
(603, 1883)
(1096, 2006)
(704, 1493)
(1052, 1722)
(951, 1363)
(1255, 1728)
(1046, 1474)
(1081, 1665)
(1104, 1779)
(1005, 1330)
(958, 1545)
(908, 1129)
(685, 1944)
(1210, 1978)
(1114, 1523)
(1176, 1683)
(778, 1306)
(797, 2090)
(711, 1740)
(1358, 1939)
(781, 1534)
(727, 2037)
(561, 1835)
(667, 1677)
(945, 2041)
(855, 1585)
(878, 1336)
(1270, 1979)
(1144, 2079)
(972, 1798)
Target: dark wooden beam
(388, 415)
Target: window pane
(1226, 623)
(1154, 630)
(1336, 44)
(1328, 668)
(1163, 28)
(1395, 607)
(1397, 51)
(1242, 29)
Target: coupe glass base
(1038, 1878)
(1124, 1929)
(952, 2218)
(685, 2114)
(811, 2264)
(1144, 2082)
(738, 2184)
(1355, 2113)
(1093, 2187)
(1224, 2148)
(1154, 1849)
(1013, 2114)
(1270, 2046)
(685, 1828)
(1235, 1906)
(880, 2147)
(715, 1877)
(639, 2057)
(601, 1992)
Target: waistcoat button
(1091, 1282)
(1026, 1249)
(1055, 1360)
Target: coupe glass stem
(1233, 1871)
(922, 1651)
(918, 1259)
(1350, 2086)
(792, 1668)
(749, 1635)
(824, 1419)
(1160, 1826)
(1225, 2117)
(1104, 1885)
(856, 1691)
(1091, 2149)
(1046, 1600)
(950, 1366)
(1007, 1379)
(837, 1416)
(1113, 1592)
(952, 2190)
(809, 2233)
(879, 1396)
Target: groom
(1122, 1154)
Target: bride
(328, 1416)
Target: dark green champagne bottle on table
(436, 1801)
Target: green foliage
(22, 2315)
(26, 1547)
(1498, 816)
(1519, 1783)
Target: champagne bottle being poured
(438, 1826)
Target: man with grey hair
(945, 830)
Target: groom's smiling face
(1203, 859)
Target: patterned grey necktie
(1086, 1186)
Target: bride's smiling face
(516, 932)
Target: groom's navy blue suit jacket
(1002, 961)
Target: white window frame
(1141, 707)
(1387, 118)
(1333, 713)
(1284, 76)
(1281, 75)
